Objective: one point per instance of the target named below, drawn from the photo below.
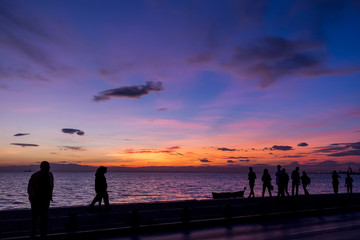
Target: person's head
(334, 172)
(266, 171)
(297, 168)
(348, 174)
(304, 173)
(45, 166)
(251, 169)
(283, 170)
(101, 170)
(278, 167)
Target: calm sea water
(74, 189)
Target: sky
(180, 83)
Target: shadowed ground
(147, 218)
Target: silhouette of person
(40, 189)
(277, 174)
(349, 183)
(295, 177)
(100, 188)
(251, 177)
(335, 181)
(305, 181)
(266, 179)
(284, 182)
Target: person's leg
(44, 209)
(34, 218)
(106, 199)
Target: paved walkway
(127, 219)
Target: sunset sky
(180, 83)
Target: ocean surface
(77, 188)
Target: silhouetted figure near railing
(40, 188)
(295, 177)
(266, 179)
(251, 177)
(305, 181)
(277, 174)
(349, 183)
(335, 181)
(100, 188)
(284, 182)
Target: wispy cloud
(169, 150)
(136, 91)
(72, 148)
(340, 149)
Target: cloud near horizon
(282, 148)
(340, 149)
(136, 91)
(303, 144)
(72, 148)
(169, 150)
(226, 149)
(72, 131)
(205, 160)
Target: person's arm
(51, 184)
(30, 189)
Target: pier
(144, 218)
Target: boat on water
(218, 195)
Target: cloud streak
(25, 144)
(21, 134)
(136, 91)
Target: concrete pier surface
(129, 220)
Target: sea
(77, 188)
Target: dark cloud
(72, 131)
(292, 156)
(230, 161)
(226, 149)
(205, 160)
(237, 158)
(340, 149)
(25, 144)
(21, 134)
(282, 148)
(72, 148)
(162, 109)
(303, 144)
(271, 58)
(136, 91)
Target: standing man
(40, 188)
(251, 177)
(278, 174)
(295, 177)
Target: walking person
(277, 174)
(295, 177)
(40, 189)
(284, 182)
(266, 179)
(305, 181)
(349, 183)
(251, 177)
(335, 181)
(100, 188)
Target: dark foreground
(129, 221)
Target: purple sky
(180, 83)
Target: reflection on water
(73, 189)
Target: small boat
(218, 195)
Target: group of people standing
(282, 182)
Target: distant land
(258, 168)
